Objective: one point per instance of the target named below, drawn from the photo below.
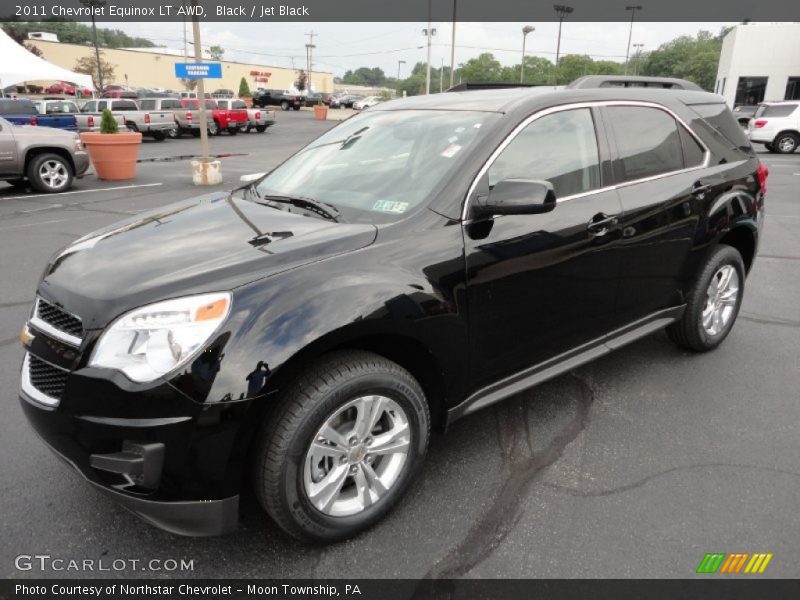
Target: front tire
(50, 173)
(284, 105)
(341, 447)
(261, 128)
(713, 303)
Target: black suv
(414, 264)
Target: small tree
(244, 89)
(88, 66)
(108, 124)
(216, 52)
(302, 81)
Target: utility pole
(633, 10)
(92, 4)
(453, 46)
(201, 88)
(428, 32)
(441, 76)
(563, 12)
(525, 31)
(399, 62)
(310, 59)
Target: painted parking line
(107, 189)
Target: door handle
(600, 224)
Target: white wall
(760, 50)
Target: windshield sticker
(451, 151)
(390, 206)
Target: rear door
(664, 183)
(8, 150)
(540, 285)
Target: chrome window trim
(45, 327)
(577, 105)
(27, 386)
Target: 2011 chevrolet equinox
(417, 262)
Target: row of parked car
(288, 100)
(774, 124)
(157, 118)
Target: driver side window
(560, 148)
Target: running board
(565, 362)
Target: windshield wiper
(323, 209)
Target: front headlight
(150, 341)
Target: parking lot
(635, 465)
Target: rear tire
(261, 128)
(50, 173)
(213, 128)
(159, 136)
(284, 105)
(786, 143)
(341, 446)
(713, 303)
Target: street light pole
(633, 10)
(525, 31)
(562, 11)
(201, 89)
(92, 4)
(636, 57)
(429, 33)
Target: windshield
(378, 166)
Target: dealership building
(760, 62)
(155, 68)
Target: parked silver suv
(50, 159)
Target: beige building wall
(152, 69)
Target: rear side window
(775, 110)
(125, 105)
(693, 152)
(648, 142)
(560, 148)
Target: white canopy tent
(18, 65)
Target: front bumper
(79, 441)
(81, 160)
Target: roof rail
(468, 87)
(632, 81)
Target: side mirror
(517, 197)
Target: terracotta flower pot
(113, 154)
(320, 111)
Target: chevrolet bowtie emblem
(26, 337)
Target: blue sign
(198, 70)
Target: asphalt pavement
(635, 465)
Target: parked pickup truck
(19, 112)
(153, 123)
(283, 98)
(65, 114)
(231, 120)
(257, 118)
(172, 105)
(47, 158)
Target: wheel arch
(743, 239)
(37, 150)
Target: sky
(343, 46)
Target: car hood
(211, 243)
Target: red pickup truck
(188, 119)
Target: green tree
(216, 52)
(76, 33)
(244, 89)
(693, 58)
(484, 69)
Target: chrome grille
(59, 319)
(46, 378)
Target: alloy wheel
(787, 144)
(54, 174)
(721, 298)
(356, 456)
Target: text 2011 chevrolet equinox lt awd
(412, 265)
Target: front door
(540, 285)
